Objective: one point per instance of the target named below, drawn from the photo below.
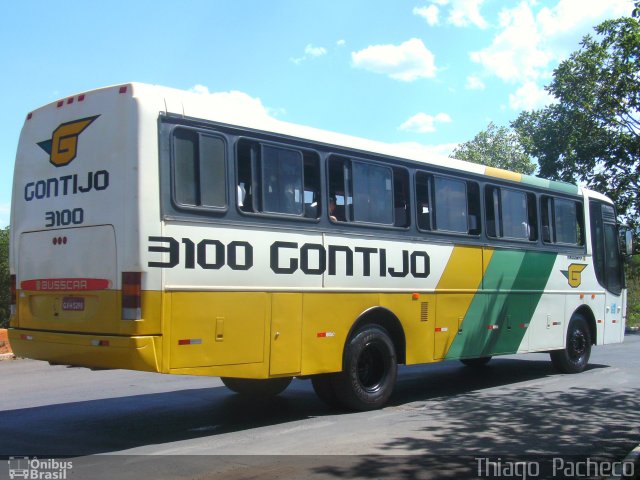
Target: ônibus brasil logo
(63, 145)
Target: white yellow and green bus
(153, 230)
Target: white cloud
(310, 51)
(474, 83)
(341, 43)
(515, 53)
(532, 40)
(529, 96)
(466, 12)
(236, 103)
(461, 13)
(430, 13)
(315, 51)
(578, 16)
(423, 123)
(406, 62)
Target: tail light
(131, 295)
(14, 295)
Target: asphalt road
(440, 419)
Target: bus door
(607, 263)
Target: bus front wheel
(370, 369)
(575, 356)
(257, 387)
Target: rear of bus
(78, 292)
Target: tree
(495, 147)
(4, 278)
(592, 132)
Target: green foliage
(633, 294)
(592, 132)
(4, 278)
(495, 147)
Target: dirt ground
(4, 342)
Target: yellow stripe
(504, 174)
(455, 291)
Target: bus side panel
(328, 318)
(498, 317)
(456, 290)
(417, 317)
(218, 328)
(286, 333)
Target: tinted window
(372, 193)
(446, 204)
(515, 219)
(368, 193)
(510, 214)
(562, 221)
(198, 169)
(282, 183)
(277, 180)
(612, 260)
(450, 205)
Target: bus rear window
(198, 170)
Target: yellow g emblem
(63, 146)
(574, 274)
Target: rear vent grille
(424, 311)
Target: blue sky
(430, 73)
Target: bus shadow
(122, 423)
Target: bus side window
(311, 185)
(562, 221)
(338, 189)
(511, 214)
(246, 158)
(282, 180)
(448, 205)
(198, 170)
(277, 180)
(423, 201)
(401, 202)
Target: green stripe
(550, 184)
(512, 287)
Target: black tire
(323, 386)
(574, 358)
(475, 362)
(370, 370)
(258, 388)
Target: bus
(153, 229)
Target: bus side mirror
(627, 241)
(628, 237)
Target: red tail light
(131, 295)
(14, 295)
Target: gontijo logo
(63, 146)
(574, 274)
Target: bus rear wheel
(257, 387)
(575, 356)
(370, 370)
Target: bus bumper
(85, 350)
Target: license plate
(73, 304)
